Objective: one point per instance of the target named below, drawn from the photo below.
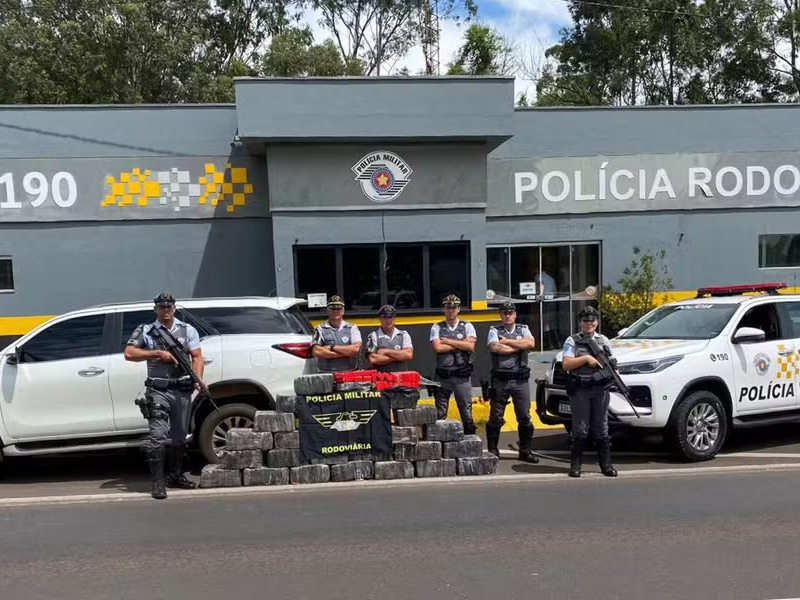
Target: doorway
(548, 283)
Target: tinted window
(683, 322)
(6, 275)
(130, 321)
(76, 338)
(252, 319)
(777, 250)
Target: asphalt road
(716, 536)
(126, 472)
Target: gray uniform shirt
(185, 334)
(509, 362)
(574, 350)
(461, 332)
(325, 334)
(398, 340)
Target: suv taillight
(299, 349)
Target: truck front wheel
(698, 427)
(213, 431)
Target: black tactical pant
(171, 419)
(520, 394)
(589, 406)
(461, 388)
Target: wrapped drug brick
(283, 457)
(266, 476)
(394, 470)
(241, 459)
(289, 439)
(411, 417)
(470, 447)
(314, 385)
(310, 474)
(214, 475)
(273, 421)
(247, 439)
(404, 435)
(444, 431)
(356, 470)
(402, 398)
(285, 403)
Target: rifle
(610, 369)
(172, 347)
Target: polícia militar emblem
(382, 175)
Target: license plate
(564, 408)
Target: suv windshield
(683, 322)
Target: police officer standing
(589, 397)
(389, 349)
(509, 344)
(336, 343)
(168, 391)
(453, 341)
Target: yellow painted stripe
(479, 314)
(480, 413)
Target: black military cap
(164, 299)
(508, 307)
(452, 299)
(589, 313)
(335, 302)
(387, 310)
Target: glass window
(130, 321)
(765, 318)
(80, 337)
(6, 275)
(449, 269)
(683, 322)
(524, 267)
(554, 275)
(404, 277)
(497, 274)
(361, 277)
(315, 271)
(251, 320)
(793, 313)
(778, 250)
(585, 272)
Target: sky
(530, 25)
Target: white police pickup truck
(698, 368)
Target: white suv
(697, 368)
(66, 386)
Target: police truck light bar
(735, 290)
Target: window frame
(758, 252)
(106, 339)
(426, 283)
(13, 288)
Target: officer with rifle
(174, 370)
(589, 364)
(509, 344)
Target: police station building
(398, 190)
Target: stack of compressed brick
(269, 453)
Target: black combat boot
(469, 428)
(604, 457)
(176, 477)
(493, 439)
(156, 459)
(576, 456)
(525, 442)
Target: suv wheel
(214, 429)
(699, 427)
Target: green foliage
(484, 52)
(642, 281)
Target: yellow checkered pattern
(788, 365)
(141, 188)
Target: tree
(379, 31)
(641, 281)
(484, 52)
(293, 53)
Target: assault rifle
(609, 368)
(173, 348)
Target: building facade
(398, 190)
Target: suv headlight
(648, 366)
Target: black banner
(345, 423)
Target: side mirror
(622, 331)
(13, 359)
(748, 335)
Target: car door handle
(91, 372)
(208, 361)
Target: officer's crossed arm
(442, 345)
(338, 351)
(384, 356)
(510, 346)
(137, 351)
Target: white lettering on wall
(646, 185)
(61, 190)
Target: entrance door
(549, 283)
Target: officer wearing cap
(453, 341)
(336, 343)
(588, 396)
(389, 349)
(168, 391)
(509, 344)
